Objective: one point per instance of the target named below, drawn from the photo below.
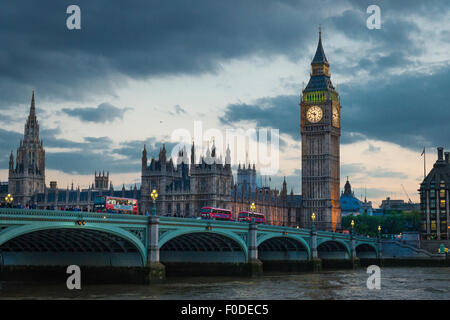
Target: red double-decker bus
(246, 216)
(215, 213)
(115, 205)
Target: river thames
(396, 283)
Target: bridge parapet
(30, 213)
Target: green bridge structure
(62, 238)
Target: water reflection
(396, 283)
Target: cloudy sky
(137, 71)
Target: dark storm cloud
(142, 39)
(407, 109)
(8, 141)
(138, 39)
(281, 112)
(104, 112)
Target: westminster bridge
(58, 238)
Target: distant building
(398, 205)
(366, 207)
(350, 205)
(278, 207)
(434, 199)
(3, 190)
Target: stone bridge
(57, 238)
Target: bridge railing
(69, 214)
(167, 219)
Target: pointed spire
(11, 162)
(208, 153)
(228, 155)
(213, 149)
(320, 57)
(32, 107)
(193, 153)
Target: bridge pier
(156, 271)
(379, 247)
(254, 264)
(316, 263)
(355, 263)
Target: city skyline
(104, 126)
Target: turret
(228, 156)
(193, 153)
(162, 155)
(11, 163)
(144, 158)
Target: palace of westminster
(192, 181)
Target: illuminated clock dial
(335, 116)
(314, 114)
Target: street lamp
(313, 218)
(154, 196)
(379, 231)
(352, 224)
(252, 209)
(9, 199)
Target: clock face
(314, 114)
(335, 116)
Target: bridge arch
(200, 245)
(286, 247)
(56, 244)
(333, 249)
(366, 250)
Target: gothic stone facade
(27, 176)
(186, 186)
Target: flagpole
(424, 165)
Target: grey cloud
(351, 169)
(407, 109)
(139, 40)
(179, 109)
(104, 112)
(146, 39)
(281, 112)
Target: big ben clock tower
(320, 122)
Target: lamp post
(252, 210)
(314, 254)
(9, 199)
(154, 196)
(379, 242)
(352, 224)
(313, 218)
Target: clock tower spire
(320, 130)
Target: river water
(396, 283)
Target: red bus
(246, 216)
(115, 205)
(215, 213)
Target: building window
(442, 193)
(442, 204)
(433, 225)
